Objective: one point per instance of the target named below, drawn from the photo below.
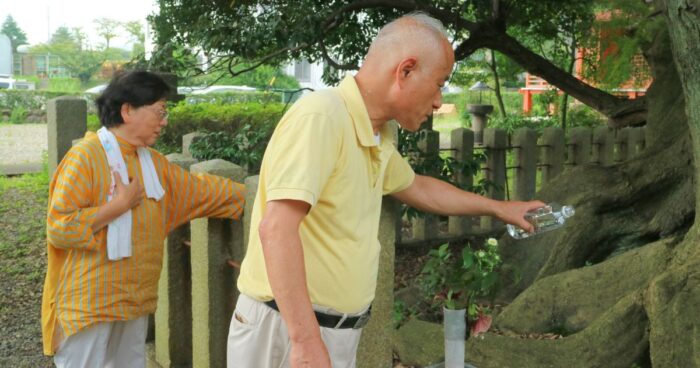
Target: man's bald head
(406, 66)
(412, 35)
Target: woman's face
(145, 123)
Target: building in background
(309, 75)
(6, 60)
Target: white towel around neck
(119, 230)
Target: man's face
(422, 92)
(147, 123)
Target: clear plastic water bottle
(549, 217)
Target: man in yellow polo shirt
(310, 271)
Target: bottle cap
(568, 211)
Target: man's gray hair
(417, 22)
(422, 19)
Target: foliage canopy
(242, 34)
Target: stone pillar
(429, 144)
(603, 146)
(173, 316)
(579, 146)
(187, 140)
(622, 148)
(479, 115)
(213, 280)
(552, 153)
(495, 141)
(462, 144)
(67, 120)
(375, 350)
(635, 143)
(251, 190)
(525, 153)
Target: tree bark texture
(621, 280)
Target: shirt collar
(350, 92)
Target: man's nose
(437, 101)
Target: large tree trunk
(621, 281)
(638, 235)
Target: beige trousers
(258, 338)
(106, 344)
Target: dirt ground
(22, 270)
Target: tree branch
(455, 20)
(333, 63)
(537, 65)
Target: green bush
(235, 97)
(581, 115)
(65, 85)
(18, 115)
(210, 117)
(93, 122)
(512, 122)
(245, 148)
(29, 100)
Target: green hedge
(235, 97)
(32, 104)
(28, 100)
(214, 117)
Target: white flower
(492, 242)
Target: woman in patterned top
(112, 202)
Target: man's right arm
(284, 260)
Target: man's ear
(126, 112)
(405, 69)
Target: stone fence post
(553, 148)
(173, 316)
(635, 143)
(603, 146)
(525, 178)
(579, 146)
(495, 142)
(375, 350)
(213, 280)
(462, 144)
(621, 140)
(429, 145)
(66, 120)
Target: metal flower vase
(455, 330)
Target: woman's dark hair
(137, 88)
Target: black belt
(331, 321)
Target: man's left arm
(436, 196)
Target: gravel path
(22, 143)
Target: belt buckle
(362, 321)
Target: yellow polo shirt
(325, 153)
